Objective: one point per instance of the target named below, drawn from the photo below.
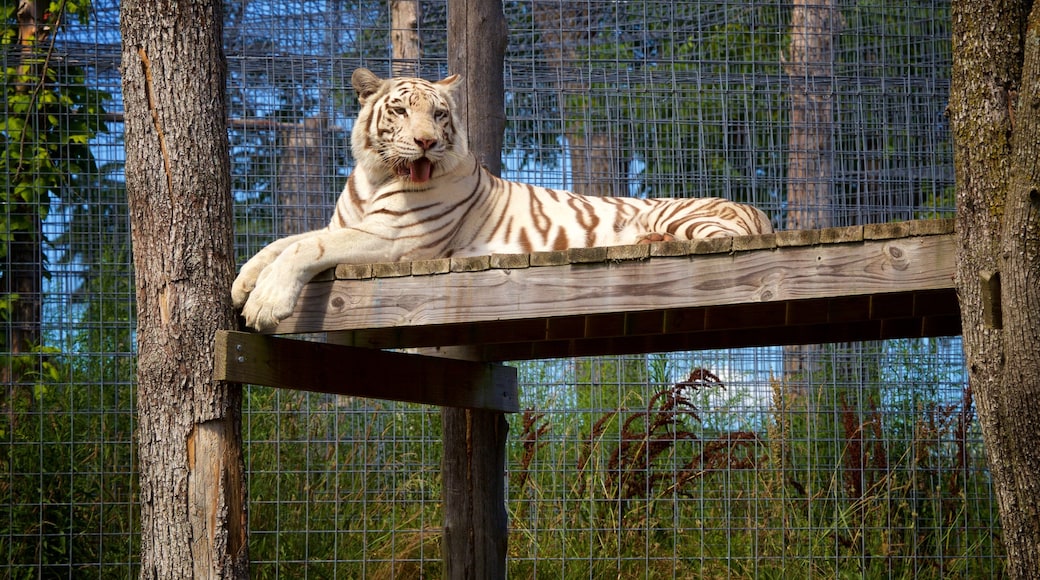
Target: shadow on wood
(361, 372)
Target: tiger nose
(425, 143)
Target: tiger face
(407, 128)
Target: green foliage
(68, 455)
(376, 511)
(66, 450)
(857, 481)
(882, 479)
(50, 116)
(723, 117)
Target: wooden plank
(344, 370)
(933, 312)
(859, 330)
(783, 274)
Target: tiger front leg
(279, 283)
(247, 278)
(274, 296)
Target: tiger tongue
(419, 170)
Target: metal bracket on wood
(257, 359)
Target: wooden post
(476, 50)
(473, 469)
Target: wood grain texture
(862, 268)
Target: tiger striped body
(417, 193)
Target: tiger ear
(449, 82)
(366, 83)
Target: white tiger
(417, 193)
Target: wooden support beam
(362, 372)
(476, 525)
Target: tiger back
(417, 192)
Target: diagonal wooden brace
(257, 359)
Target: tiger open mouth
(418, 170)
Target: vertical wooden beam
(476, 50)
(473, 469)
(475, 524)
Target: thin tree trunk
(815, 26)
(473, 469)
(405, 16)
(595, 154)
(995, 117)
(24, 274)
(303, 176)
(193, 517)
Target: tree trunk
(594, 151)
(24, 272)
(995, 117)
(473, 470)
(815, 26)
(595, 161)
(303, 176)
(405, 16)
(193, 518)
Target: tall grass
(686, 478)
(832, 484)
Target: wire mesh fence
(866, 460)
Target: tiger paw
(654, 237)
(247, 278)
(264, 313)
(271, 301)
(241, 288)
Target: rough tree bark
(193, 519)
(473, 468)
(995, 117)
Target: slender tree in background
(815, 26)
(193, 521)
(405, 16)
(565, 27)
(995, 116)
(304, 166)
(49, 117)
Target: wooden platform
(802, 287)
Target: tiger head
(407, 128)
